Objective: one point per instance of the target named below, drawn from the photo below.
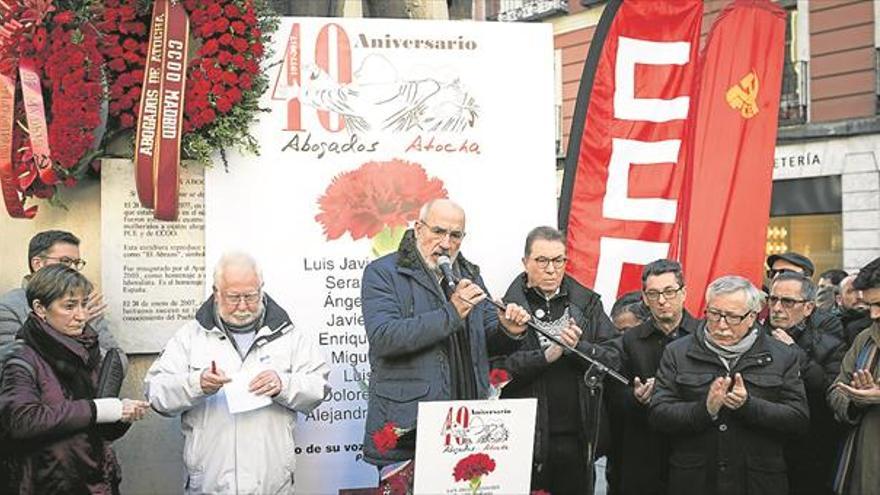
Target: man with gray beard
(239, 333)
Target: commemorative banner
(477, 446)
(624, 168)
(160, 122)
(369, 119)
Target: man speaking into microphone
(430, 334)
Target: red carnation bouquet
(377, 200)
(472, 469)
(498, 378)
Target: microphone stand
(593, 378)
(597, 370)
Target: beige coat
(865, 477)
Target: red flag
(726, 203)
(623, 168)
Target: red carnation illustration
(472, 469)
(377, 200)
(386, 438)
(498, 378)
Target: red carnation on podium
(377, 200)
(472, 469)
(386, 438)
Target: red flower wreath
(224, 80)
(98, 50)
(375, 196)
(65, 55)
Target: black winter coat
(811, 458)
(741, 451)
(853, 323)
(641, 453)
(528, 365)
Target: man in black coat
(640, 452)
(810, 459)
(568, 411)
(729, 396)
(853, 310)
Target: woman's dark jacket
(48, 421)
(528, 365)
(741, 451)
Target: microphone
(445, 266)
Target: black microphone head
(445, 266)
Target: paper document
(238, 398)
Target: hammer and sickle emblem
(743, 96)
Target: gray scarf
(730, 354)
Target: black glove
(111, 375)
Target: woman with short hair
(56, 429)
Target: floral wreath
(92, 54)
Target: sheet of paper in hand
(238, 398)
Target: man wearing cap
(789, 262)
(823, 320)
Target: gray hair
(808, 288)
(730, 284)
(236, 258)
(543, 233)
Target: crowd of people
(771, 390)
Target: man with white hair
(239, 333)
(729, 395)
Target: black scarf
(458, 349)
(73, 359)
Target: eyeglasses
(786, 302)
(715, 316)
(667, 293)
(454, 235)
(236, 299)
(544, 262)
(75, 263)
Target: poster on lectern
(475, 446)
(367, 120)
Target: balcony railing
(525, 10)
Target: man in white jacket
(238, 333)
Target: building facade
(826, 179)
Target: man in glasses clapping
(791, 303)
